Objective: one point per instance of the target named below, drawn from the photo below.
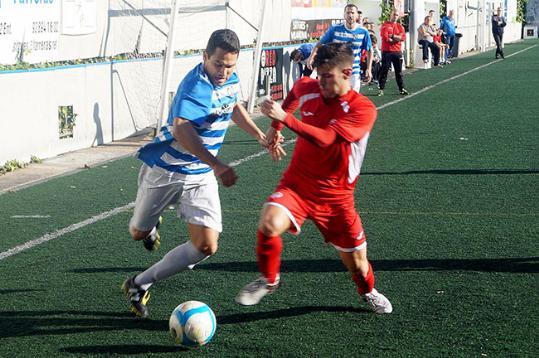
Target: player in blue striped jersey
(181, 165)
(349, 31)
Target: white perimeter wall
(112, 101)
(29, 111)
(116, 100)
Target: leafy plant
(443, 8)
(35, 160)
(66, 121)
(11, 166)
(386, 7)
(521, 11)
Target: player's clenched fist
(273, 110)
(226, 174)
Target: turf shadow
(459, 172)
(38, 323)
(282, 313)
(515, 265)
(128, 269)
(123, 349)
(8, 291)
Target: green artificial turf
(449, 201)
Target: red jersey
(386, 31)
(437, 38)
(327, 171)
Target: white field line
(235, 163)
(53, 235)
(66, 230)
(30, 216)
(449, 79)
(47, 237)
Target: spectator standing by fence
(448, 26)
(392, 34)
(498, 24)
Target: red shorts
(338, 222)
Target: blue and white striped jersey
(358, 38)
(209, 108)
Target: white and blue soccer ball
(192, 323)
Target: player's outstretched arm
(185, 134)
(321, 137)
(241, 117)
(310, 60)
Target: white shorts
(355, 82)
(196, 197)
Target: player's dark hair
(224, 39)
(351, 5)
(293, 54)
(335, 55)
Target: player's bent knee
(270, 227)
(209, 249)
(273, 222)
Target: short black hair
(225, 39)
(352, 5)
(335, 55)
(294, 53)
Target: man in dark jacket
(498, 23)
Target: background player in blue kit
(300, 56)
(350, 31)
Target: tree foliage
(386, 7)
(521, 11)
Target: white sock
(176, 260)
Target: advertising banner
(29, 30)
(310, 29)
(271, 73)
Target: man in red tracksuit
(392, 34)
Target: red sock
(364, 284)
(268, 251)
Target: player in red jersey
(319, 182)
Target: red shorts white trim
(339, 222)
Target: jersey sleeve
(402, 32)
(367, 44)
(321, 137)
(192, 103)
(292, 100)
(384, 33)
(328, 36)
(357, 122)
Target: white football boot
(378, 302)
(253, 292)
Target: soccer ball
(192, 323)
